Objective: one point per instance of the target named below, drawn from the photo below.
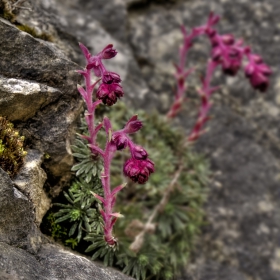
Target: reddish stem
(109, 199)
(205, 93)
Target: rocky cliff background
(241, 240)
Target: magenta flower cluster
(138, 168)
(226, 52)
(229, 53)
(110, 89)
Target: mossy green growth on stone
(8, 12)
(160, 248)
(11, 147)
(32, 31)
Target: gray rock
(51, 263)
(81, 267)
(30, 180)
(46, 76)
(17, 226)
(242, 235)
(22, 99)
(26, 254)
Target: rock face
(26, 254)
(21, 99)
(38, 92)
(30, 180)
(51, 263)
(16, 217)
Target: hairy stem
(109, 199)
(205, 93)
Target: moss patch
(9, 14)
(11, 147)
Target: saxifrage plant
(162, 217)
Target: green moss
(8, 13)
(57, 231)
(11, 147)
(34, 33)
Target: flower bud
(109, 93)
(257, 59)
(231, 67)
(231, 60)
(133, 125)
(258, 78)
(120, 140)
(138, 170)
(139, 152)
(211, 32)
(258, 73)
(111, 77)
(259, 81)
(108, 52)
(228, 39)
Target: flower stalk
(226, 52)
(108, 92)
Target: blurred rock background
(241, 239)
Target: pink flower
(138, 152)
(94, 63)
(232, 63)
(108, 52)
(228, 39)
(133, 125)
(120, 140)
(226, 53)
(138, 170)
(111, 77)
(258, 73)
(109, 93)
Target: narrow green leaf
(94, 170)
(106, 258)
(68, 198)
(86, 221)
(90, 247)
(88, 177)
(61, 212)
(80, 171)
(72, 229)
(96, 255)
(64, 218)
(78, 155)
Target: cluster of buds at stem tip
(226, 52)
(138, 168)
(229, 53)
(109, 90)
